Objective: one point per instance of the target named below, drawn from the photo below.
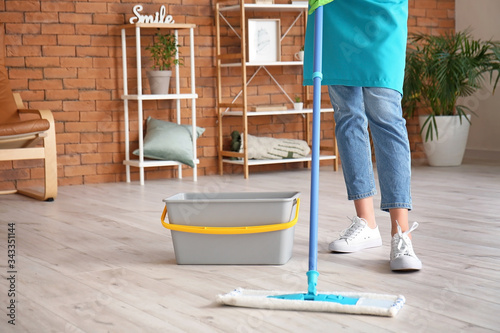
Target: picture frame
(264, 40)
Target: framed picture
(264, 40)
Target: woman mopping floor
(364, 72)
(347, 302)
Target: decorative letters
(159, 17)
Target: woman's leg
(353, 141)
(392, 148)
(365, 210)
(399, 216)
(392, 152)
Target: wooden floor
(98, 259)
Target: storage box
(247, 228)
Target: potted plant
(300, 55)
(163, 53)
(298, 105)
(439, 71)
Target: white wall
(484, 137)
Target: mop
(343, 302)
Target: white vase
(449, 148)
(159, 81)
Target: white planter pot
(299, 56)
(449, 148)
(159, 81)
(298, 106)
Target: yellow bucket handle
(230, 230)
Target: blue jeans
(356, 108)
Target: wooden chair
(26, 139)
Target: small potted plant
(298, 105)
(163, 53)
(300, 55)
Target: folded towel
(263, 148)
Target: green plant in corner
(441, 69)
(297, 99)
(163, 51)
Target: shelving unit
(237, 105)
(139, 97)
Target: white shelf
(159, 97)
(280, 161)
(153, 163)
(139, 97)
(273, 113)
(159, 26)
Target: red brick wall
(65, 56)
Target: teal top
(364, 43)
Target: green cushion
(169, 141)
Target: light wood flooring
(98, 259)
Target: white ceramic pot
(299, 56)
(159, 81)
(298, 106)
(449, 148)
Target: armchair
(26, 139)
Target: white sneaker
(402, 256)
(357, 237)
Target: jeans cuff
(386, 207)
(362, 196)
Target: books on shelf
(270, 107)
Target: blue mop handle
(317, 77)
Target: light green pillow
(169, 141)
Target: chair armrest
(19, 100)
(44, 114)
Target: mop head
(366, 303)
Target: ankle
(404, 227)
(394, 232)
(370, 221)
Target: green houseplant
(298, 104)
(163, 51)
(439, 71)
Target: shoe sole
(354, 248)
(406, 265)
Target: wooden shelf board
(266, 7)
(273, 113)
(286, 160)
(267, 63)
